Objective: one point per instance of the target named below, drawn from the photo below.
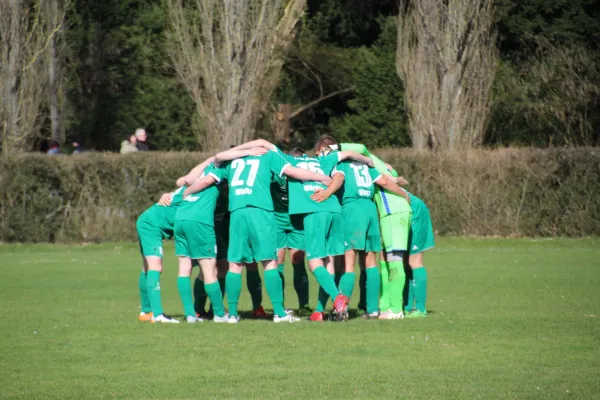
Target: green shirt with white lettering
(250, 179)
(358, 181)
(200, 207)
(300, 191)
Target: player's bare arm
(306, 175)
(232, 154)
(199, 185)
(165, 199)
(196, 172)
(401, 181)
(390, 185)
(336, 182)
(346, 154)
(255, 143)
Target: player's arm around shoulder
(388, 183)
(336, 183)
(195, 173)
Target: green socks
(185, 294)
(384, 297)
(275, 291)
(372, 282)
(396, 285)
(213, 290)
(280, 269)
(322, 300)
(346, 284)
(153, 289)
(199, 296)
(301, 284)
(144, 299)
(326, 281)
(233, 284)
(254, 284)
(327, 287)
(420, 288)
(222, 285)
(362, 290)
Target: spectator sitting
(128, 145)
(77, 148)
(54, 149)
(141, 136)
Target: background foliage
(547, 89)
(507, 192)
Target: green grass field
(515, 319)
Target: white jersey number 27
(239, 165)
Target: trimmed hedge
(505, 192)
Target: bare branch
(317, 101)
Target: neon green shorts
(394, 231)
(195, 240)
(361, 226)
(324, 234)
(252, 236)
(222, 233)
(421, 236)
(289, 231)
(150, 236)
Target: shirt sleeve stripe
(283, 169)
(214, 176)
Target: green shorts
(195, 240)
(421, 230)
(394, 231)
(289, 231)
(324, 234)
(149, 235)
(252, 236)
(222, 233)
(361, 226)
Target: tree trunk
(53, 86)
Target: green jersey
(163, 217)
(200, 207)
(387, 203)
(222, 207)
(358, 181)
(250, 180)
(300, 192)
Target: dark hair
(297, 151)
(324, 140)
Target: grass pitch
(515, 319)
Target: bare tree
(446, 57)
(54, 15)
(25, 33)
(229, 55)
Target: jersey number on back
(361, 174)
(239, 165)
(311, 166)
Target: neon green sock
(199, 296)
(216, 298)
(420, 288)
(144, 298)
(301, 284)
(346, 284)
(384, 298)
(185, 294)
(372, 283)
(362, 290)
(397, 278)
(254, 284)
(153, 288)
(275, 291)
(326, 282)
(409, 292)
(234, 287)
